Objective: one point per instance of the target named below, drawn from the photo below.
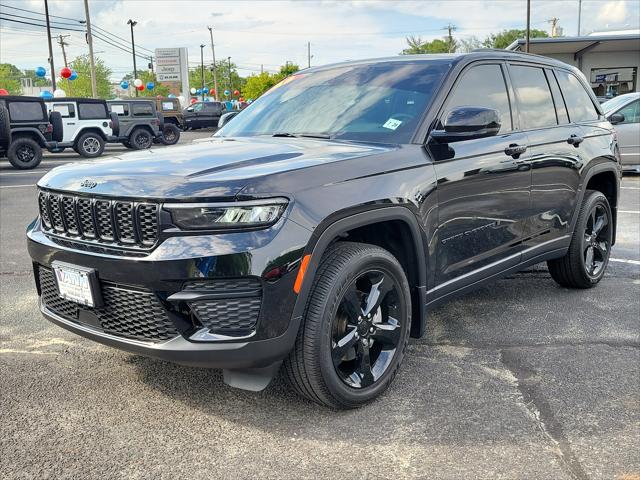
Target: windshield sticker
(392, 124)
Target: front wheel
(355, 327)
(586, 261)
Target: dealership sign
(172, 68)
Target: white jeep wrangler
(87, 125)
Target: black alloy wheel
(24, 153)
(365, 330)
(596, 240)
(140, 139)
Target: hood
(214, 168)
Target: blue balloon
(41, 72)
(150, 85)
(205, 90)
(199, 91)
(46, 94)
(74, 75)
(124, 84)
(171, 95)
(226, 93)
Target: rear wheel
(90, 145)
(24, 153)
(171, 134)
(355, 327)
(586, 261)
(140, 139)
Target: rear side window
(561, 108)
(120, 109)
(482, 86)
(66, 110)
(579, 104)
(631, 112)
(92, 111)
(168, 105)
(535, 103)
(26, 111)
(142, 110)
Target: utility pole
(579, 15)
(230, 85)
(53, 69)
(94, 86)
(309, 54)
(215, 67)
(528, 35)
(202, 69)
(261, 68)
(63, 44)
(151, 63)
(450, 28)
(133, 49)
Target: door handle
(70, 123)
(575, 140)
(514, 150)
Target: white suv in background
(87, 125)
(623, 112)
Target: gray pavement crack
(501, 346)
(546, 421)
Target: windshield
(614, 103)
(379, 102)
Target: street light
(133, 49)
(202, 69)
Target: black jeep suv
(314, 232)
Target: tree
(258, 84)
(10, 76)
(146, 76)
(81, 86)
(505, 38)
(237, 82)
(470, 44)
(417, 46)
(36, 80)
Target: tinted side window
(92, 111)
(631, 112)
(26, 111)
(120, 109)
(197, 107)
(578, 101)
(142, 110)
(535, 104)
(561, 108)
(482, 86)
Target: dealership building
(609, 60)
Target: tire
(128, 145)
(332, 341)
(90, 145)
(171, 134)
(55, 119)
(24, 153)
(115, 124)
(140, 139)
(161, 122)
(5, 129)
(585, 263)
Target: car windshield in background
(378, 102)
(613, 104)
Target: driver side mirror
(616, 118)
(225, 118)
(189, 109)
(467, 123)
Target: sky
(270, 33)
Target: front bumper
(165, 273)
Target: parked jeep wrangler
(26, 128)
(314, 240)
(88, 125)
(139, 122)
(173, 119)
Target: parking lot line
(23, 173)
(629, 188)
(629, 211)
(625, 260)
(17, 186)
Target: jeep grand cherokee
(314, 232)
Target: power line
(105, 32)
(40, 25)
(118, 46)
(40, 20)
(37, 13)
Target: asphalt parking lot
(519, 380)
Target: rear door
(555, 162)
(629, 134)
(483, 192)
(69, 116)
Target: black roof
(133, 100)
(75, 99)
(21, 98)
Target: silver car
(624, 113)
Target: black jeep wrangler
(26, 128)
(316, 240)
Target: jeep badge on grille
(88, 183)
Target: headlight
(203, 216)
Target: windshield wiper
(324, 136)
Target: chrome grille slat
(105, 222)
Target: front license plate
(75, 283)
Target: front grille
(127, 311)
(235, 308)
(107, 222)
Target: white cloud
(613, 12)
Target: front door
(483, 186)
(69, 116)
